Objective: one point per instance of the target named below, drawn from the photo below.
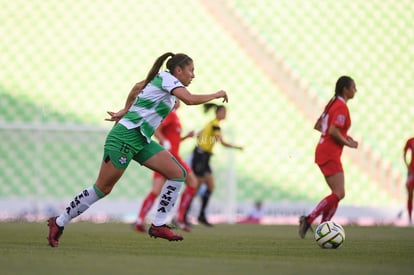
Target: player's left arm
(340, 119)
(335, 132)
(226, 144)
(116, 116)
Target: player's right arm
(194, 99)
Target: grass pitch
(114, 248)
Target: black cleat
(304, 226)
(203, 220)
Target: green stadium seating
(66, 64)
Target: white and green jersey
(152, 105)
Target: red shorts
(180, 161)
(331, 167)
(410, 180)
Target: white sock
(168, 197)
(79, 205)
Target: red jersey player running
(169, 135)
(333, 125)
(409, 145)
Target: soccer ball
(329, 234)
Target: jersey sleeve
(339, 117)
(170, 83)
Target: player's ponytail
(176, 60)
(328, 106)
(341, 83)
(318, 124)
(156, 67)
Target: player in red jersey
(409, 146)
(169, 135)
(333, 125)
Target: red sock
(324, 206)
(410, 209)
(146, 206)
(185, 201)
(331, 207)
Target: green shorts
(123, 145)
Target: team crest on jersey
(122, 159)
(340, 119)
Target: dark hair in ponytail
(176, 60)
(208, 106)
(342, 82)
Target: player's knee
(184, 174)
(191, 180)
(180, 174)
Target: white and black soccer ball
(329, 234)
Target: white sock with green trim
(168, 197)
(79, 204)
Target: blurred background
(65, 63)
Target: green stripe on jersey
(162, 109)
(145, 103)
(152, 105)
(133, 117)
(147, 129)
(157, 82)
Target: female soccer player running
(146, 106)
(333, 125)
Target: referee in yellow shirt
(206, 139)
